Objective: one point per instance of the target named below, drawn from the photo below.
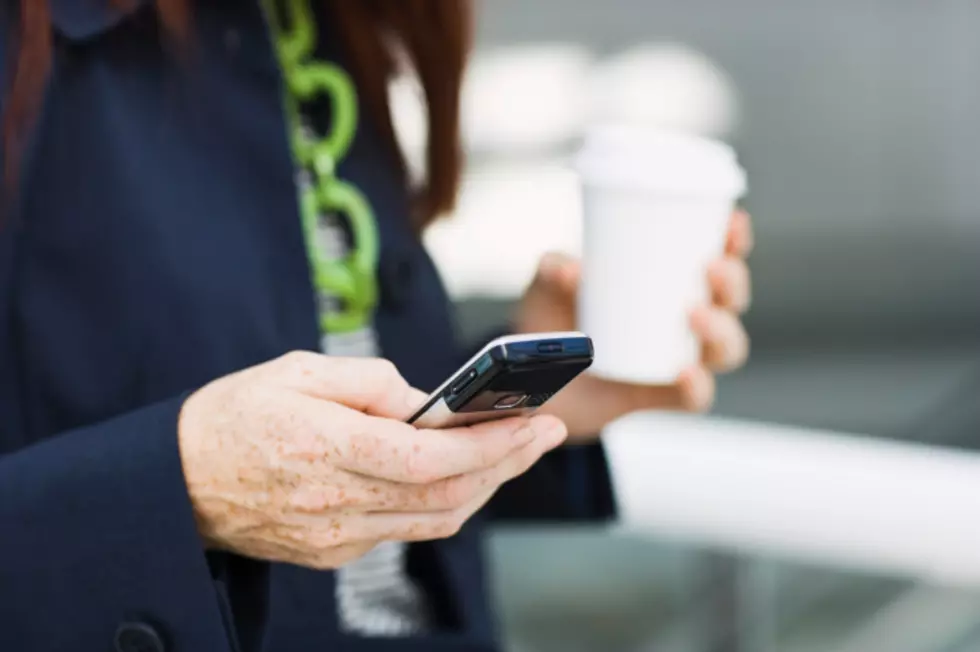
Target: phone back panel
(507, 380)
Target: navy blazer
(153, 244)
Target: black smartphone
(510, 376)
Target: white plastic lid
(660, 161)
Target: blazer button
(139, 637)
(396, 273)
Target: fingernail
(414, 398)
(556, 436)
(525, 434)
(568, 274)
(552, 431)
(699, 318)
(549, 263)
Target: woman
(179, 470)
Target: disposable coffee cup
(657, 205)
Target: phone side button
(463, 382)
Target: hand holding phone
(510, 376)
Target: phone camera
(509, 401)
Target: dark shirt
(154, 244)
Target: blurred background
(859, 124)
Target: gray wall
(861, 133)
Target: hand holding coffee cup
(709, 328)
(658, 211)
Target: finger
(330, 558)
(731, 284)
(454, 492)
(422, 526)
(355, 492)
(559, 270)
(479, 447)
(369, 385)
(354, 528)
(725, 344)
(697, 389)
(741, 238)
(391, 450)
(427, 525)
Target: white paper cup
(657, 206)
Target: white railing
(801, 495)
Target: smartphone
(510, 376)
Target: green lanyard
(352, 279)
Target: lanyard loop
(352, 279)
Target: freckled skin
(280, 474)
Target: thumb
(369, 385)
(559, 271)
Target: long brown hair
(432, 36)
